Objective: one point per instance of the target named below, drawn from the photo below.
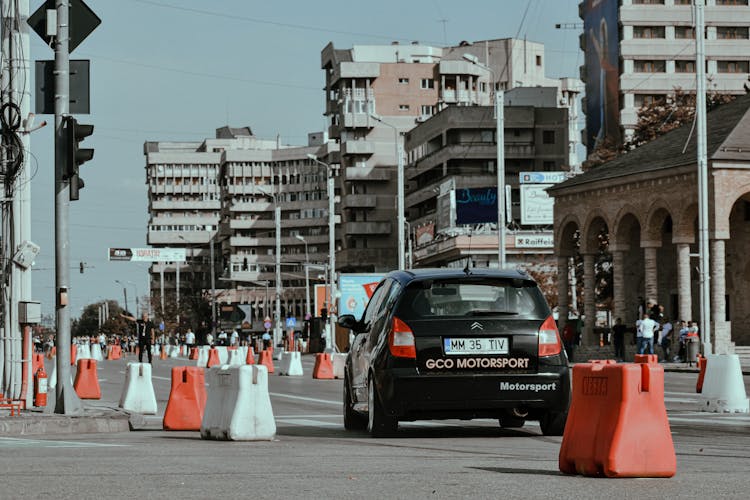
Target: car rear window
(468, 297)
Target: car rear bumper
(411, 396)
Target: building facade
(638, 51)
(452, 179)
(376, 94)
(223, 192)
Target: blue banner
(476, 205)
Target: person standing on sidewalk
(145, 334)
(665, 339)
(647, 328)
(618, 332)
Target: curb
(28, 425)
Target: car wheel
(353, 421)
(553, 423)
(511, 422)
(378, 423)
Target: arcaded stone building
(646, 201)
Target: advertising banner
(148, 254)
(536, 205)
(476, 205)
(356, 290)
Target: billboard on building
(356, 290)
(425, 233)
(476, 205)
(600, 27)
(148, 254)
(537, 207)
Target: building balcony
(377, 259)
(359, 201)
(357, 120)
(193, 220)
(175, 238)
(251, 224)
(357, 148)
(379, 174)
(260, 206)
(185, 205)
(367, 228)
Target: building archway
(738, 271)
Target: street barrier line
(307, 423)
(56, 444)
(720, 421)
(302, 398)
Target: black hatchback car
(455, 344)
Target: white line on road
(302, 398)
(736, 422)
(156, 377)
(307, 423)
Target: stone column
(684, 291)
(618, 285)
(562, 291)
(720, 328)
(650, 277)
(589, 300)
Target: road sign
(267, 325)
(148, 254)
(44, 87)
(291, 322)
(81, 18)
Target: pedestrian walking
(144, 333)
(665, 339)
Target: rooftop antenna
(467, 269)
(444, 22)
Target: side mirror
(348, 321)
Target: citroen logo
(477, 326)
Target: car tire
(552, 423)
(511, 422)
(378, 423)
(353, 421)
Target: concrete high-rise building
(638, 51)
(375, 94)
(225, 190)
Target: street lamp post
(307, 272)
(135, 288)
(401, 218)
(499, 112)
(331, 246)
(124, 293)
(277, 224)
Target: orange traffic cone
(213, 357)
(87, 381)
(323, 366)
(266, 359)
(187, 399)
(250, 358)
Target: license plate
(473, 345)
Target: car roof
(407, 276)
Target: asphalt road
(313, 456)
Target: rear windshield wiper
(491, 313)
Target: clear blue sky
(177, 70)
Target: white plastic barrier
(339, 360)
(202, 356)
(235, 358)
(243, 352)
(83, 352)
(238, 406)
(96, 352)
(723, 386)
(291, 364)
(223, 354)
(52, 382)
(138, 393)
(278, 353)
(155, 349)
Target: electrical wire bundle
(10, 123)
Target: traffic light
(82, 266)
(75, 156)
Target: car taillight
(549, 338)
(401, 340)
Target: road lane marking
(304, 422)
(8, 442)
(302, 398)
(721, 421)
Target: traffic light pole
(67, 401)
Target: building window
(538, 60)
(648, 2)
(731, 2)
(684, 66)
(548, 137)
(549, 166)
(642, 100)
(427, 83)
(733, 66)
(731, 32)
(649, 66)
(403, 107)
(403, 81)
(683, 2)
(683, 32)
(426, 110)
(648, 31)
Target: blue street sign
(291, 322)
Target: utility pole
(500, 133)
(67, 401)
(277, 217)
(703, 224)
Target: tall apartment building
(638, 51)
(452, 195)
(375, 94)
(225, 190)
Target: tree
(88, 324)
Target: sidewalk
(36, 422)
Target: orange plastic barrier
(323, 366)
(646, 358)
(163, 352)
(702, 362)
(73, 354)
(617, 424)
(187, 399)
(266, 359)
(193, 354)
(182, 350)
(86, 384)
(250, 358)
(114, 352)
(213, 357)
